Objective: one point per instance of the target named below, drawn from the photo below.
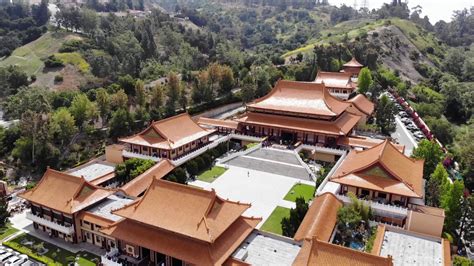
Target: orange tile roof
(65, 193)
(446, 252)
(378, 241)
(204, 121)
(343, 125)
(364, 142)
(190, 250)
(340, 80)
(235, 262)
(320, 219)
(169, 133)
(95, 219)
(140, 183)
(191, 212)
(315, 252)
(401, 175)
(300, 98)
(363, 104)
(353, 63)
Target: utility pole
(355, 4)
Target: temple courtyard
(262, 177)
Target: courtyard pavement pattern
(273, 161)
(264, 189)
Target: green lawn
(273, 223)
(251, 145)
(55, 254)
(7, 231)
(212, 174)
(300, 190)
(29, 56)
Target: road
(404, 137)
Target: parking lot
(406, 133)
(10, 257)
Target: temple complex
(298, 111)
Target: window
(130, 249)
(382, 195)
(365, 193)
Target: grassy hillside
(28, 57)
(355, 28)
(336, 34)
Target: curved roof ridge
(353, 63)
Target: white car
(5, 257)
(21, 259)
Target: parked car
(412, 127)
(22, 259)
(5, 257)
(406, 120)
(402, 114)
(418, 134)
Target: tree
(27, 99)
(454, 61)
(4, 213)
(88, 21)
(467, 221)
(40, 13)
(183, 100)
(127, 83)
(461, 261)
(227, 80)
(437, 186)
(119, 100)
(156, 102)
(174, 87)
(441, 128)
(385, 115)
(431, 153)
(121, 123)
(365, 80)
(289, 225)
(452, 204)
(140, 93)
(103, 103)
(62, 125)
(82, 109)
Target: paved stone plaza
(264, 185)
(273, 161)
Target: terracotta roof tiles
(353, 63)
(300, 98)
(341, 80)
(363, 104)
(315, 252)
(169, 133)
(64, 192)
(188, 211)
(204, 121)
(320, 219)
(139, 184)
(184, 248)
(360, 169)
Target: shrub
(180, 175)
(58, 79)
(53, 61)
(192, 167)
(207, 160)
(200, 163)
